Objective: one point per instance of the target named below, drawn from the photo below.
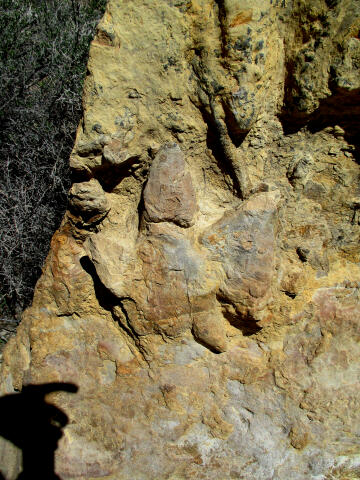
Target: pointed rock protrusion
(169, 195)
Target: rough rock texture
(169, 194)
(203, 289)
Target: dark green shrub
(43, 54)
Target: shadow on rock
(34, 425)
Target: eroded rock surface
(203, 288)
(169, 195)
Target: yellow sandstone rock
(203, 288)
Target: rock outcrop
(203, 288)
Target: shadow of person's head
(35, 426)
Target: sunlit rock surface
(203, 288)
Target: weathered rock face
(169, 195)
(203, 289)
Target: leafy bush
(43, 54)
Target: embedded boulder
(169, 195)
